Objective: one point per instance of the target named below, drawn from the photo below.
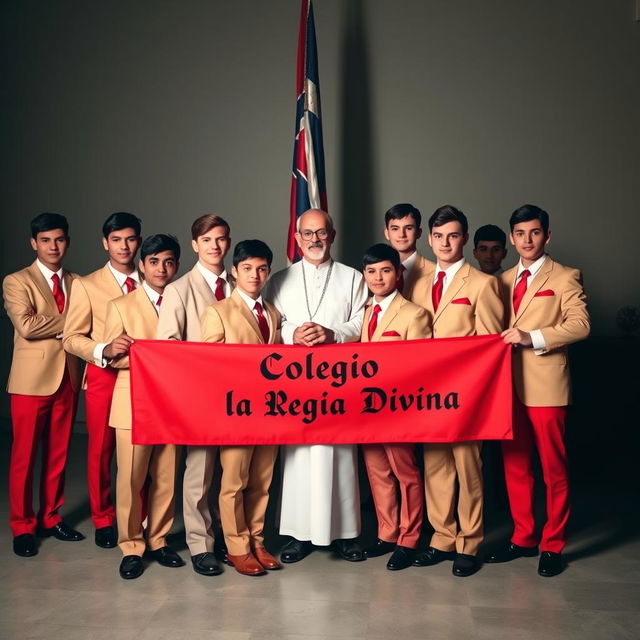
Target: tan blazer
(135, 315)
(39, 360)
(403, 318)
(419, 269)
(84, 327)
(232, 321)
(183, 304)
(556, 304)
(470, 306)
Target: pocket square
(395, 334)
(461, 301)
(546, 292)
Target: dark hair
(121, 220)
(448, 213)
(403, 210)
(247, 249)
(491, 233)
(207, 222)
(48, 222)
(157, 244)
(528, 212)
(380, 253)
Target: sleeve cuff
(98, 359)
(287, 332)
(537, 342)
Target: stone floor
(72, 590)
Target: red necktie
(130, 284)
(400, 285)
(219, 292)
(436, 290)
(520, 289)
(373, 321)
(58, 293)
(262, 322)
(159, 301)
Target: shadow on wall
(357, 196)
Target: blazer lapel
(388, 316)
(201, 287)
(273, 322)
(541, 277)
(110, 282)
(68, 280)
(148, 309)
(457, 283)
(247, 314)
(43, 287)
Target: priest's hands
(118, 347)
(516, 337)
(310, 334)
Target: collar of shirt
(533, 269)
(48, 274)
(251, 303)
(384, 303)
(450, 272)
(152, 295)
(316, 269)
(121, 277)
(410, 261)
(211, 278)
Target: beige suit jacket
(419, 269)
(556, 304)
(407, 320)
(470, 306)
(183, 303)
(135, 315)
(231, 321)
(85, 324)
(39, 360)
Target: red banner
(445, 390)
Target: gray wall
(172, 109)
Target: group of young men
(62, 319)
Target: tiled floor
(72, 590)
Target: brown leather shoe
(266, 559)
(246, 565)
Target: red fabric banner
(445, 390)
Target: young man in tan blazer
(183, 305)
(547, 311)
(43, 384)
(403, 229)
(396, 484)
(463, 302)
(83, 336)
(130, 317)
(245, 318)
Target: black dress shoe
(432, 556)
(220, 548)
(206, 564)
(25, 545)
(349, 549)
(61, 531)
(510, 552)
(296, 550)
(106, 537)
(167, 557)
(465, 565)
(379, 548)
(131, 567)
(401, 558)
(551, 564)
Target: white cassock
(320, 497)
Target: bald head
(315, 235)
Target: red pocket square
(461, 301)
(395, 334)
(546, 292)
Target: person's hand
(516, 337)
(118, 347)
(310, 334)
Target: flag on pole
(308, 187)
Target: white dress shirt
(384, 304)
(410, 261)
(251, 303)
(537, 339)
(154, 296)
(48, 274)
(121, 278)
(212, 279)
(449, 273)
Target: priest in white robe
(322, 301)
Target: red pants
(102, 443)
(544, 427)
(392, 468)
(35, 419)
